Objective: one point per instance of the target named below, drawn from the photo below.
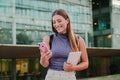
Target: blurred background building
(106, 23)
(31, 19)
(27, 21)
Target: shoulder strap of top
(51, 39)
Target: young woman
(64, 42)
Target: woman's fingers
(68, 66)
(46, 56)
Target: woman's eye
(59, 21)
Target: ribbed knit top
(60, 51)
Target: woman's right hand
(44, 59)
(46, 56)
(45, 53)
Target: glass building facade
(102, 23)
(106, 17)
(115, 23)
(27, 21)
(33, 19)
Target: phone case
(43, 47)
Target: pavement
(110, 77)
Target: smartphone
(43, 47)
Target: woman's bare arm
(84, 57)
(44, 58)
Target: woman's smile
(60, 24)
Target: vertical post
(86, 38)
(13, 23)
(13, 69)
(0, 65)
(60, 3)
(104, 66)
(111, 22)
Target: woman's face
(60, 23)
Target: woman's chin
(61, 32)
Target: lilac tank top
(60, 51)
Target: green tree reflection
(22, 38)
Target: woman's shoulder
(47, 37)
(80, 39)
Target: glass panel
(25, 69)
(5, 32)
(5, 69)
(103, 41)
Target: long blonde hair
(74, 42)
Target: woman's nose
(56, 24)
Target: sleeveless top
(60, 51)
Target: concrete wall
(115, 24)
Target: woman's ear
(67, 20)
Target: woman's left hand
(68, 67)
